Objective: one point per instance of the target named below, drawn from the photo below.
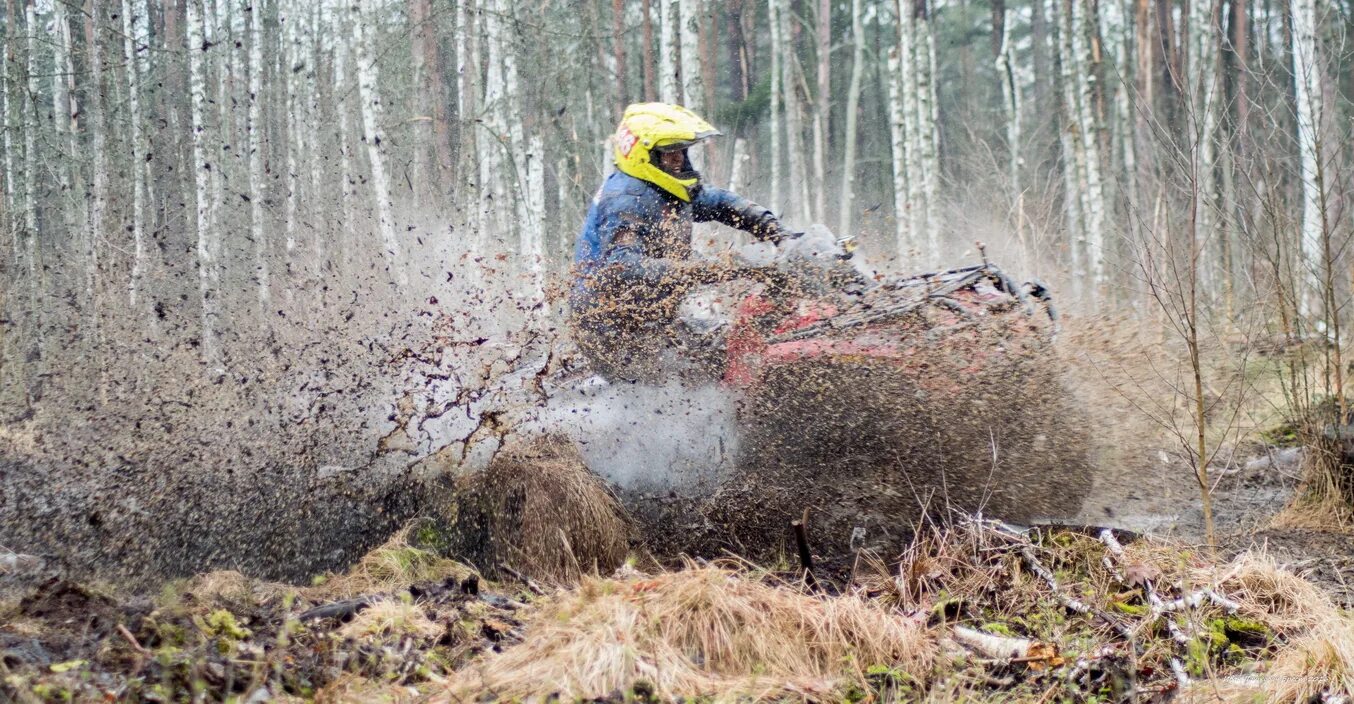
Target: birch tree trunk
(291, 41)
(467, 109)
(1010, 93)
(373, 113)
(823, 112)
(693, 89)
(497, 201)
(669, 90)
(99, 176)
(928, 114)
(209, 278)
(1203, 90)
(1307, 61)
(342, 90)
(650, 89)
(32, 120)
(63, 108)
(852, 108)
(138, 173)
(794, 112)
(899, 146)
(773, 19)
(256, 183)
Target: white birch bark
(1073, 148)
(256, 182)
(852, 107)
(794, 112)
(138, 173)
(291, 20)
(62, 107)
(669, 14)
(31, 122)
(11, 125)
(373, 113)
(898, 145)
(693, 90)
(1010, 94)
(497, 202)
(309, 130)
(467, 111)
(533, 240)
(773, 13)
(739, 169)
(1090, 130)
(342, 90)
(822, 108)
(928, 130)
(208, 273)
(99, 195)
(907, 71)
(1118, 32)
(1307, 61)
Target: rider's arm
(735, 211)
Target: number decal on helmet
(625, 140)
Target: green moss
(1124, 607)
(1000, 629)
(221, 623)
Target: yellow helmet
(654, 127)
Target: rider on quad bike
(632, 261)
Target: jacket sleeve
(622, 232)
(719, 205)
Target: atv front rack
(933, 288)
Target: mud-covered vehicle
(868, 400)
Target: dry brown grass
(538, 508)
(1320, 663)
(1282, 600)
(711, 631)
(393, 566)
(354, 689)
(391, 621)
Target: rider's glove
(770, 229)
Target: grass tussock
(537, 508)
(1266, 591)
(710, 631)
(392, 567)
(392, 621)
(1315, 666)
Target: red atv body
(875, 406)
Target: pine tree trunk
(852, 108)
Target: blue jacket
(634, 234)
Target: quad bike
(873, 401)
